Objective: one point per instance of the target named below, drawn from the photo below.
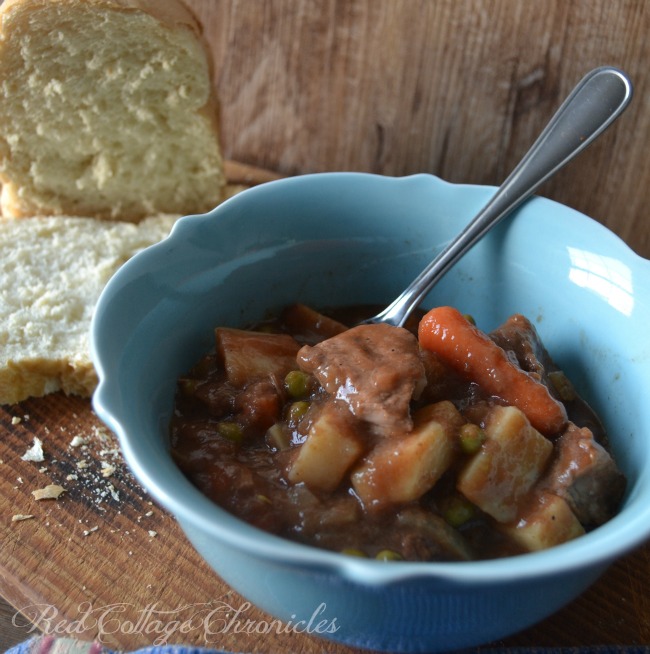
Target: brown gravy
(360, 441)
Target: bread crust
(172, 13)
(41, 376)
(16, 197)
(53, 270)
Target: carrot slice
(467, 350)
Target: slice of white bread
(53, 270)
(107, 110)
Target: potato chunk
(331, 447)
(402, 470)
(248, 355)
(500, 476)
(546, 522)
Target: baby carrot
(466, 349)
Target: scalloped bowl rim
(187, 503)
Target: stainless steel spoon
(593, 105)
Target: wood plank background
(456, 88)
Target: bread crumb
(77, 441)
(35, 452)
(114, 494)
(82, 464)
(50, 492)
(16, 420)
(86, 532)
(152, 533)
(107, 469)
(20, 517)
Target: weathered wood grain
(457, 88)
(102, 561)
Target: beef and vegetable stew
(432, 442)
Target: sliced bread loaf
(53, 270)
(106, 110)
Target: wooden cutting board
(104, 552)
(103, 561)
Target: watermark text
(210, 620)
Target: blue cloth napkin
(52, 645)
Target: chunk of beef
(520, 339)
(309, 326)
(375, 369)
(247, 356)
(586, 476)
(427, 537)
(444, 383)
(259, 405)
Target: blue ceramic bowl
(345, 238)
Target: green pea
(471, 438)
(297, 410)
(458, 511)
(388, 555)
(297, 383)
(353, 551)
(230, 431)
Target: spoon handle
(593, 105)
